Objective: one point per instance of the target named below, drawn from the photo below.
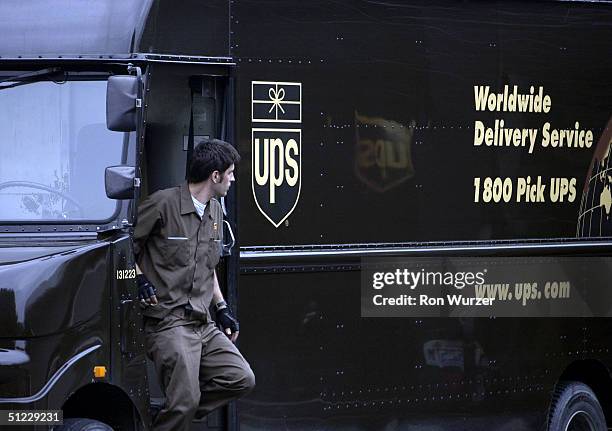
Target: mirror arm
(138, 71)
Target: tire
(575, 407)
(82, 424)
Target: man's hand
(146, 291)
(228, 323)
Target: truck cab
(91, 126)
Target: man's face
(225, 180)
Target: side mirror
(119, 181)
(122, 103)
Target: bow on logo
(276, 97)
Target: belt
(191, 314)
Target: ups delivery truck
(418, 239)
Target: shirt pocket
(214, 247)
(176, 251)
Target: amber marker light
(99, 372)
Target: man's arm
(217, 295)
(149, 218)
(225, 319)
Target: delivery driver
(177, 243)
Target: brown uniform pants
(199, 369)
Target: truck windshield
(54, 147)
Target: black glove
(226, 319)
(146, 291)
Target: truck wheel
(82, 424)
(575, 407)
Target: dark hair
(211, 155)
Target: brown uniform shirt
(177, 251)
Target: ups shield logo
(383, 157)
(276, 171)
(276, 150)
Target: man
(177, 242)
